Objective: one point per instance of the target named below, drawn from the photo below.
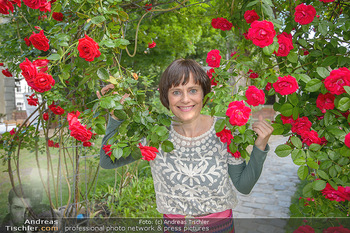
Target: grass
(136, 198)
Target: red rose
(88, 48)
(27, 41)
(6, 6)
(46, 116)
(148, 152)
(339, 229)
(80, 132)
(234, 53)
(246, 35)
(336, 81)
(261, 33)
(53, 144)
(43, 82)
(58, 16)
(286, 85)
(12, 132)
(254, 96)
(338, 195)
(285, 44)
(29, 71)
(72, 117)
(304, 14)
(306, 52)
(212, 78)
(222, 24)
(325, 101)
(323, 141)
(238, 113)
(252, 74)
(107, 149)
(7, 73)
(148, 7)
(56, 109)
(237, 154)
(87, 144)
(152, 45)
(327, 0)
(225, 135)
(347, 140)
(310, 137)
(304, 229)
(287, 120)
(39, 41)
(34, 4)
(268, 86)
(45, 7)
(33, 101)
(213, 58)
(1, 64)
(301, 124)
(250, 16)
(41, 64)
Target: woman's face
(186, 101)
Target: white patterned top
(193, 179)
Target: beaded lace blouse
(193, 179)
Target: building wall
(7, 96)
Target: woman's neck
(194, 128)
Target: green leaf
(292, 57)
(323, 174)
(333, 129)
(345, 151)
(54, 57)
(103, 74)
(347, 89)
(233, 147)
(296, 142)
(117, 152)
(307, 190)
(136, 152)
(268, 10)
(299, 161)
(286, 110)
(344, 104)
(99, 129)
(293, 99)
(123, 15)
(267, 2)
(107, 102)
(318, 185)
(314, 147)
(295, 113)
(302, 172)
(312, 164)
(278, 129)
(252, 3)
(167, 146)
(323, 72)
(298, 154)
(302, 42)
(98, 19)
(120, 114)
(283, 150)
(241, 129)
(161, 130)
(219, 125)
(314, 85)
(322, 28)
(329, 61)
(268, 50)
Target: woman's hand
(264, 131)
(105, 89)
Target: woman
(196, 179)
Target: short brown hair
(179, 70)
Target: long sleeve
(244, 176)
(105, 161)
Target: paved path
(271, 196)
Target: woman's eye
(176, 93)
(193, 91)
